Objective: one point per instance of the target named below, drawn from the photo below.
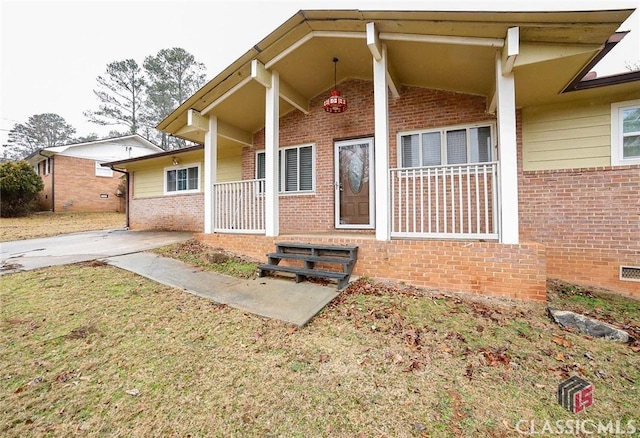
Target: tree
(40, 131)
(173, 75)
(19, 187)
(87, 138)
(120, 92)
(632, 66)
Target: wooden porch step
(317, 250)
(303, 272)
(311, 254)
(310, 258)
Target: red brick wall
(589, 221)
(175, 212)
(482, 268)
(77, 188)
(417, 108)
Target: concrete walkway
(274, 298)
(285, 300)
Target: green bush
(19, 187)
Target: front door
(354, 184)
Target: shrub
(19, 187)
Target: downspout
(53, 186)
(126, 201)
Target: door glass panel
(354, 202)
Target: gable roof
(448, 50)
(69, 148)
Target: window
(458, 145)
(296, 168)
(43, 167)
(182, 179)
(625, 133)
(102, 171)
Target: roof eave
(113, 164)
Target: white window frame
(281, 168)
(103, 172)
(443, 143)
(617, 134)
(176, 168)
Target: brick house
(74, 178)
(475, 153)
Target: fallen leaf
(626, 376)
(589, 356)
(494, 358)
(561, 341)
(469, 372)
(323, 358)
(133, 392)
(397, 359)
(560, 357)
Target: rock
(589, 326)
(217, 258)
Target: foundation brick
(175, 212)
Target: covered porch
(421, 171)
(401, 198)
(508, 60)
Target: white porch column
(271, 133)
(210, 171)
(381, 146)
(507, 151)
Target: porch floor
(334, 234)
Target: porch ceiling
(302, 49)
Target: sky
(52, 51)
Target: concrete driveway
(24, 255)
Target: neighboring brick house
(472, 157)
(74, 178)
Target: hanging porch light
(335, 103)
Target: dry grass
(51, 224)
(91, 350)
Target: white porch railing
(456, 201)
(239, 206)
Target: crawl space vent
(630, 273)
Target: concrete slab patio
(287, 301)
(295, 303)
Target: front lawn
(92, 350)
(46, 224)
